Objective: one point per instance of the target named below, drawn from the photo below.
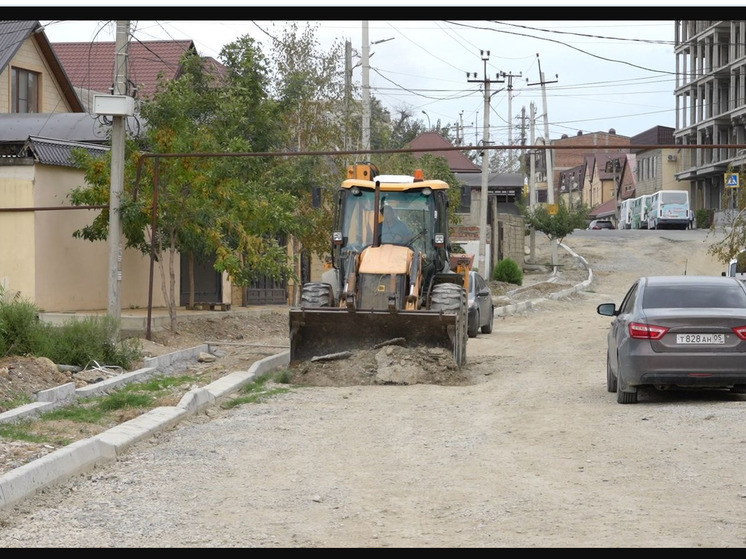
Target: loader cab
(420, 205)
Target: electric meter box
(114, 105)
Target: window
(24, 91)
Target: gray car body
(692, 304)
(481, 307)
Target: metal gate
(266, 291)
(208, 284)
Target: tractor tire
(450, 297)
(316, 294)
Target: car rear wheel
(474, 326)
(487, 328)
(610, 378)
(621, 396)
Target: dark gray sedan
(481, 308)
(677, 332)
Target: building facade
(710, 106)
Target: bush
(81, 342)
(20, 329)
(77, 342)
(703, 218)
(509, 271)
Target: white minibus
(669, 209)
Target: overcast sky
(600, 74)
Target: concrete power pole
(366, 90)
(510, 115)
(548, 152)
(532, 177)
(482, 264)
(348, 93)
(117, 173)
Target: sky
(599, 74)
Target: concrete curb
(65, 394)
(524, 306)
(85, 455)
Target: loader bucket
(323, 331)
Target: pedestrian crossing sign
(731, 180)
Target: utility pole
(548, 152)
(510, 114)
(117, 173)
(460, 129)
(482, 265)
(348, 93)
(366, 90)
(532, 178)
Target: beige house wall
(17, 257)
(655, 171)
(42, 260)
(29, 58)
(608, 190)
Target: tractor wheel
(452, 298)
(316, 294)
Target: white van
(640, 205)
(669, 209)
(625, 214)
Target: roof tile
(91, 64)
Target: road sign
(731, 180)
(552, 209)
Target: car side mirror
(607, 309)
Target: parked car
(600, 224)
(481, 308)
(677, 332)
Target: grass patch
(64, 425)
(22, 431)
(258, 391)
(15, 401)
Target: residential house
(571, 183)
(574, 151)
(611, 179)
(656, 167)
(43, 120)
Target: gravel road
(534, 453)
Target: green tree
(555, 226)
(733, 226)
(205, 205)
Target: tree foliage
(555, 226)
(214, 202)
(733, 224)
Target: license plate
(700, 338)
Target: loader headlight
(355, 191)
(440, 240)
(427, 191)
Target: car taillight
(639, 331)
(740, 332)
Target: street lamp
(429, 126)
